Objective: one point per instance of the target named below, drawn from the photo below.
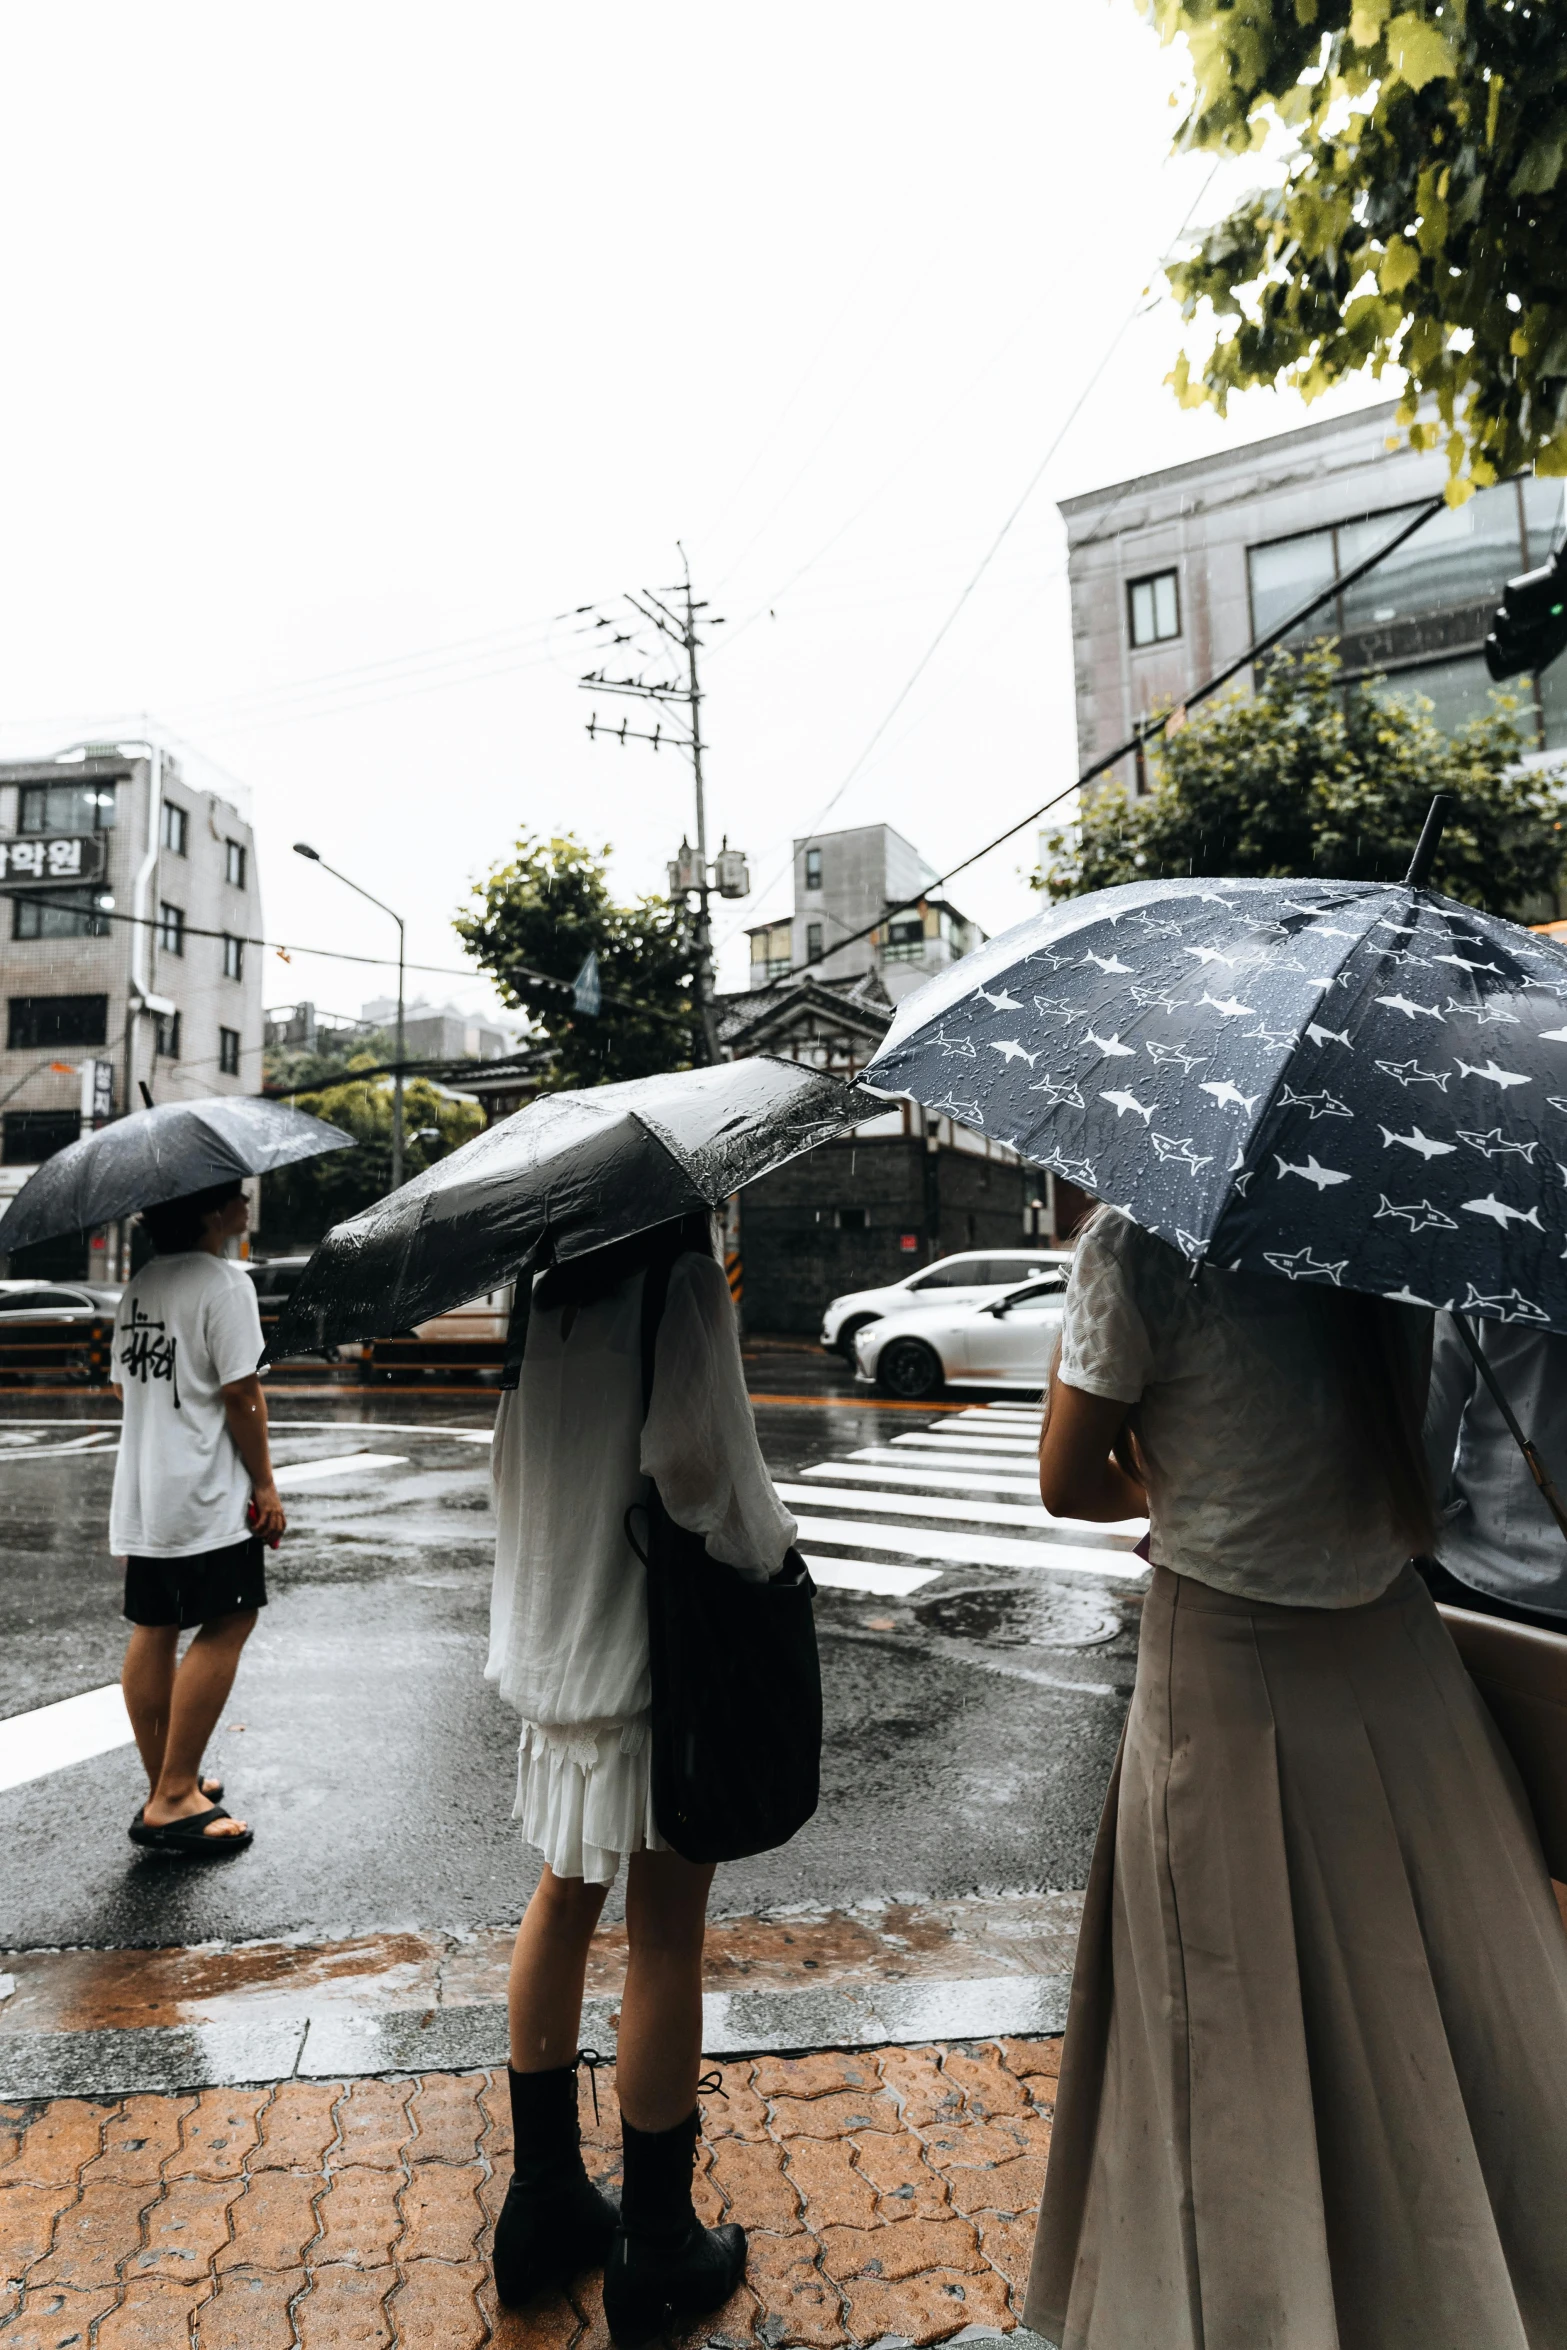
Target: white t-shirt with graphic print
(187, 1327)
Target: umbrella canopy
(584, 1168)
(158, 1154)
(1347, 1082)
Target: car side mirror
(1000, 1307)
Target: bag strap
(521, 1310)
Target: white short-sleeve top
(1255, 1482)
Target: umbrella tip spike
(1424, 858)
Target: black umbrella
(158, 1154)
(1344, 1082)
(577, 1170)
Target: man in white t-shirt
(194, 1505)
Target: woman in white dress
(569, 1649)
(1314, 2087)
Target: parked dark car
(56, 1327)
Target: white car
(1006, 1343)
(952, 1281)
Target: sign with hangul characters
(57, 857)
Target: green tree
(1313, 777)
(546, 911)
(300, 1203)
(1420, 221)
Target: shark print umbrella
(1349, 1082)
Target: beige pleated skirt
(1314, 2088)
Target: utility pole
(690, 874)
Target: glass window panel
(70, 914)
(1457, 690)
(1542, 506)
(67, 807)
(1166, 616)
(1464, 555)
(1553, 700)
(1284, 575)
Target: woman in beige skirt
(1314, 2089)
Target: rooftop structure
(865, 880)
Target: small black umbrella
(158, 1154)
(1343, 1082)
(578, 1169)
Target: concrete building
(1174, 574)
(438, 1032)
(845, 881)
(907, 1186)
(128, 953)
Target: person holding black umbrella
(575, 1446)
(194, 1504)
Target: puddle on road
(1021, 1615)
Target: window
(73, 913)
(176, 828)
(171, 928)
(234, 863)
(853, 1220)
(813, 942)
(166, 1035)
(905, 940)
(228, 1051)
(772, 952)
(813, 868)
(233, 958)
(37, 1022)
(954, 1273)
(34, 1135)
(1155, 607)
(66, 807)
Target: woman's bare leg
(549, 1964)
(660, 2046)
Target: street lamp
(302, 848)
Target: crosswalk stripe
(959, 1440)
(932, 1463)
(868, 1575)
(973, 1550)
(341, 1464)
(52, 1737)
(954, 1480)
(1002, 1422)
(873, 1465)
(943, 1508)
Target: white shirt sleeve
(1106, 1346)
(699, 1439)
(232, 1328)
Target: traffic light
(1529, 628)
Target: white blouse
(1254, 1484)
(568, 1608)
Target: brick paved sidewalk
(887, 2192)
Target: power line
(1150, 728)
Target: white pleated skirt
(584, 1795)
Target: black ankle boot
(554, 2222)
(664, 2264)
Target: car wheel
(844, 1342)
(909, 1369)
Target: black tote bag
(737, 1686)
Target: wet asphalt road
(970, 1728)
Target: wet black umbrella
(577, 1170)
(161, 1153)
(1343, 1082)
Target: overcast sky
(357, 343)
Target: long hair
(578, 1280)
(1379, 1364)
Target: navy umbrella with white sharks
(1347, 1082)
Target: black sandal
(188, 1837)
(212, 1789)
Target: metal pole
(397, 1081)
(704, 932)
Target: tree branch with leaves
(1420, 221)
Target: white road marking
(973, 1550)
(863, 1575)
(91, 1445)
(956, 1440)
(341, 1464)
(945, 1510)
(939, 1484)
(933, 1464)
(392, 1428)
(1004, 1423)
(52, 1737)
(928, 1476)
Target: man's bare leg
(147, 1681)
(202, 1682)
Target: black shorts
(190, 1591)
